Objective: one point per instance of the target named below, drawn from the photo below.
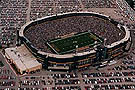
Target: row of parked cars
(67, 82)
(128, 62)
(124, 67)
(27, 88)
(108, 80)
(57, 76)
(29, 83)
(66, 88)
(53, 88)
(8, 88)
(7, 77)
(4, 71)
(108, 74)
(47, 82)
(111, 87)
(7, 83)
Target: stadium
(74, 40)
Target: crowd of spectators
(51, 29)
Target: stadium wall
(77, 60)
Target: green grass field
(62, 46)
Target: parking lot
(119, 76)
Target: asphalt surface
(6, 70)
(44, 79)
(46, 76)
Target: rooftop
(22, 57)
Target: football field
(66, 45)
